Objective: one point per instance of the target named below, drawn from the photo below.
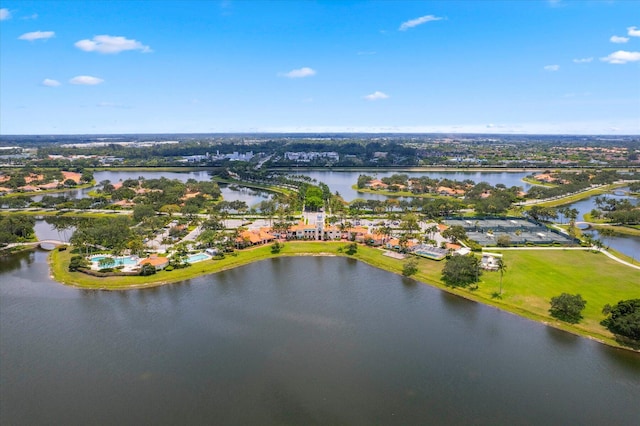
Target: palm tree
(502, 268)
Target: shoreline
(370, 256)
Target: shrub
(168, 268)
(352, 249)
(276, 247)
(410, 267)
(503, 241)
(147, 270)
(76, 263)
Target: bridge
(50, 242)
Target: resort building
(254, 237)
(158, 262)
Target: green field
(532, 278)
(537, 182)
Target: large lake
(292, 341)
(340, 181)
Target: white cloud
(50, 82)
(418, 21)
(633, 32)
(376, 96)
(4, 14)
(618, 39)
(110, 44)
(86, 80)
(299, 73)
(366, 53)
(37, 35)
(622, 57)
(582, 60)
(552, 67)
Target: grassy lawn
(538, 182)
(268, 188)
(577, 197)
(619, 229)
(532, 278)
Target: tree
(276, 247)
(503, 241)
(502, 268)
(567, 307)
(106, 262)
(455, 233)
(142, 211)
(410, 223)
(147, 269)
(363, 180)
(410, 267)
(460, 271)
(624, 319)
(87, 176)
(352, 249)
(170, 209)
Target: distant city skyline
(115, 67)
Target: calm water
(292, 341)
(626, 244)
(337, 181)
(242, 194)
(343, 181)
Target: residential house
(158, 262)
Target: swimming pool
(198, 257)
(119, 261)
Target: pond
(307, 340)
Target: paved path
(624, 262)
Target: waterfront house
(254, 237)
(71, 176)
(158, 262)
(302, 231)
(331, 232)
(50, 185)
(377, 184)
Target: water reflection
(295, 340)
(16, 261)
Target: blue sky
(146, 66)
